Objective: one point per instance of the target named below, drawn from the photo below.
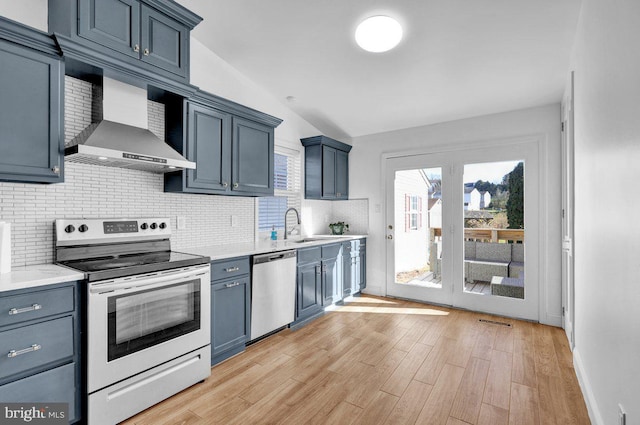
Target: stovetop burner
(107, 249)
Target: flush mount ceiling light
(378, 34)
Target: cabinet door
(209, 146)
(230, 314)
(112, 23)
(163, 42)
(31, 138)
(331, 282)
(309, 293)
(342, 175)
(252, 158)
(328, 172)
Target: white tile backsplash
(93, 191)
(316, 215)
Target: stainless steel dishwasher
(273, 292)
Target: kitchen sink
(327, 238)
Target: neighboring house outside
(411, 220)
(472, 198)
(485, 200)
(434, 207)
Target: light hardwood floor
(385, 361)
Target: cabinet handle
(318, 270)
(55, 169)
(16, 353)
(146, 52)
(225, 184)
(24, 310)
(232, 269)
(235, 185)
(338, 194)
(231, 285)
(136, 48)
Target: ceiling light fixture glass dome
(378, 34)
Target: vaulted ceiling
(457, 59)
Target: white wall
(606, 60)
(368, 181)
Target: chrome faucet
(285, 220)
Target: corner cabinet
(326, 168)
(232, 146)
(150, 34)
(230, 307)
(40, 339)
(31, 106)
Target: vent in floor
(493, 322)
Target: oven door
(139, 322)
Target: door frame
(537, 142)
(568, 217)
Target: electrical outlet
(182, 222)
(234, 221)
(622, 415)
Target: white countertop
(220, 252)
(37, 275)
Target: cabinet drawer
(53, 386)
(34, 305)
(309, 255)
(53, 340)
(229, 268)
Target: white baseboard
(585, 385)
(552, 320)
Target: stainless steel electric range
(148, 312)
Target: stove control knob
(70, 229)
(163, 225)
(83, 228)
(144, 226)
(154, 225)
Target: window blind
(286, 183)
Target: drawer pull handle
(232, 269)
(231, 285)
(24, 310)
(16, 353)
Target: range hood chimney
(123, 139)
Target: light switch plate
(182, 222)
(234, 221)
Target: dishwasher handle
(273, 256)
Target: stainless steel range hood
(122, 139)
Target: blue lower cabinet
(309, 290)
(41, 342)
(230, 309)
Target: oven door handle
(149, 282)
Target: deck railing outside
(486, 235)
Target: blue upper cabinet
(31, 106)
(232, 146)
(111, 23)
(252, 158)
(326, 168)
(141, 36)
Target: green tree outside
(515, 203)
